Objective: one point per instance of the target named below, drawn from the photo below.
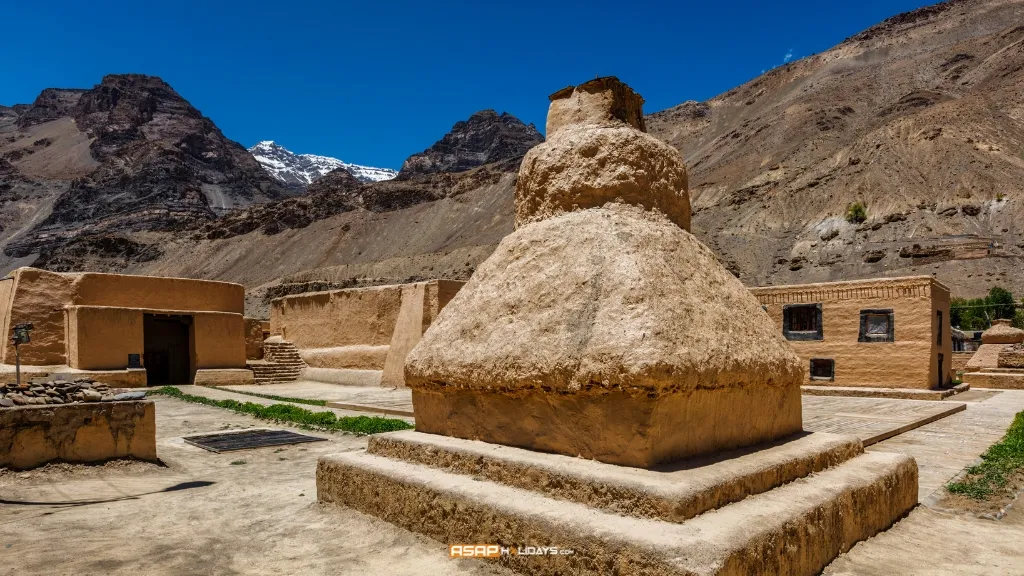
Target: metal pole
(17, 363)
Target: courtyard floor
(255, 511)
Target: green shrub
(856, 213)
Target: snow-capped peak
(302, 169)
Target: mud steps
(281, 363)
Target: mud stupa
(999, 361)
(604, 384)
(601, 327)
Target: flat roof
(863, 283)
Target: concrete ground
(212, 514)
(202, 514)
(929, 540)
(373, 399)
(870, 419)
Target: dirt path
(203, 515)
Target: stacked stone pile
(62, 392)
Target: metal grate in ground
(245, 439)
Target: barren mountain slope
(443, 238)
(87, 169)
(920, 118)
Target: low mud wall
(31, 436)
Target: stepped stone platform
(1001, 378)
(900, 393)
(784, 508)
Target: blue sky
(372, 82)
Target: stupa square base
(615, 427)
(794, 524)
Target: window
(877, 326)
(823, 369)
(802, 322)
(938, 336)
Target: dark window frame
(890, 336)
(790, 334)
(938, 338)
(830, 378)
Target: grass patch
(278, 398)
(294, 415)
(998, 463)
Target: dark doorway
(167, 353)
(942, 374)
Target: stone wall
(31, 436)
(910, 361)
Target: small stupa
(999, 361)
(604, 386)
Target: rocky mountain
(484, 138)
(920, 119)
(91, 169)
(300, 170)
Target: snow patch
(303, 169)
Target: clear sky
(372, 82)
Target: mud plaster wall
(340, 328)
(39, 297)
(911, 361)
(101, 338)
(218, 340)
(34, 435)
(154, 293)
(421, 303)
(960, 360)
(338, 317)
(253, 339)
(357, 328)
(6, 290)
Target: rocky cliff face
(920, 119)
(129, 155)
(485, 138)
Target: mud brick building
(126, 330)
(887, 332)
